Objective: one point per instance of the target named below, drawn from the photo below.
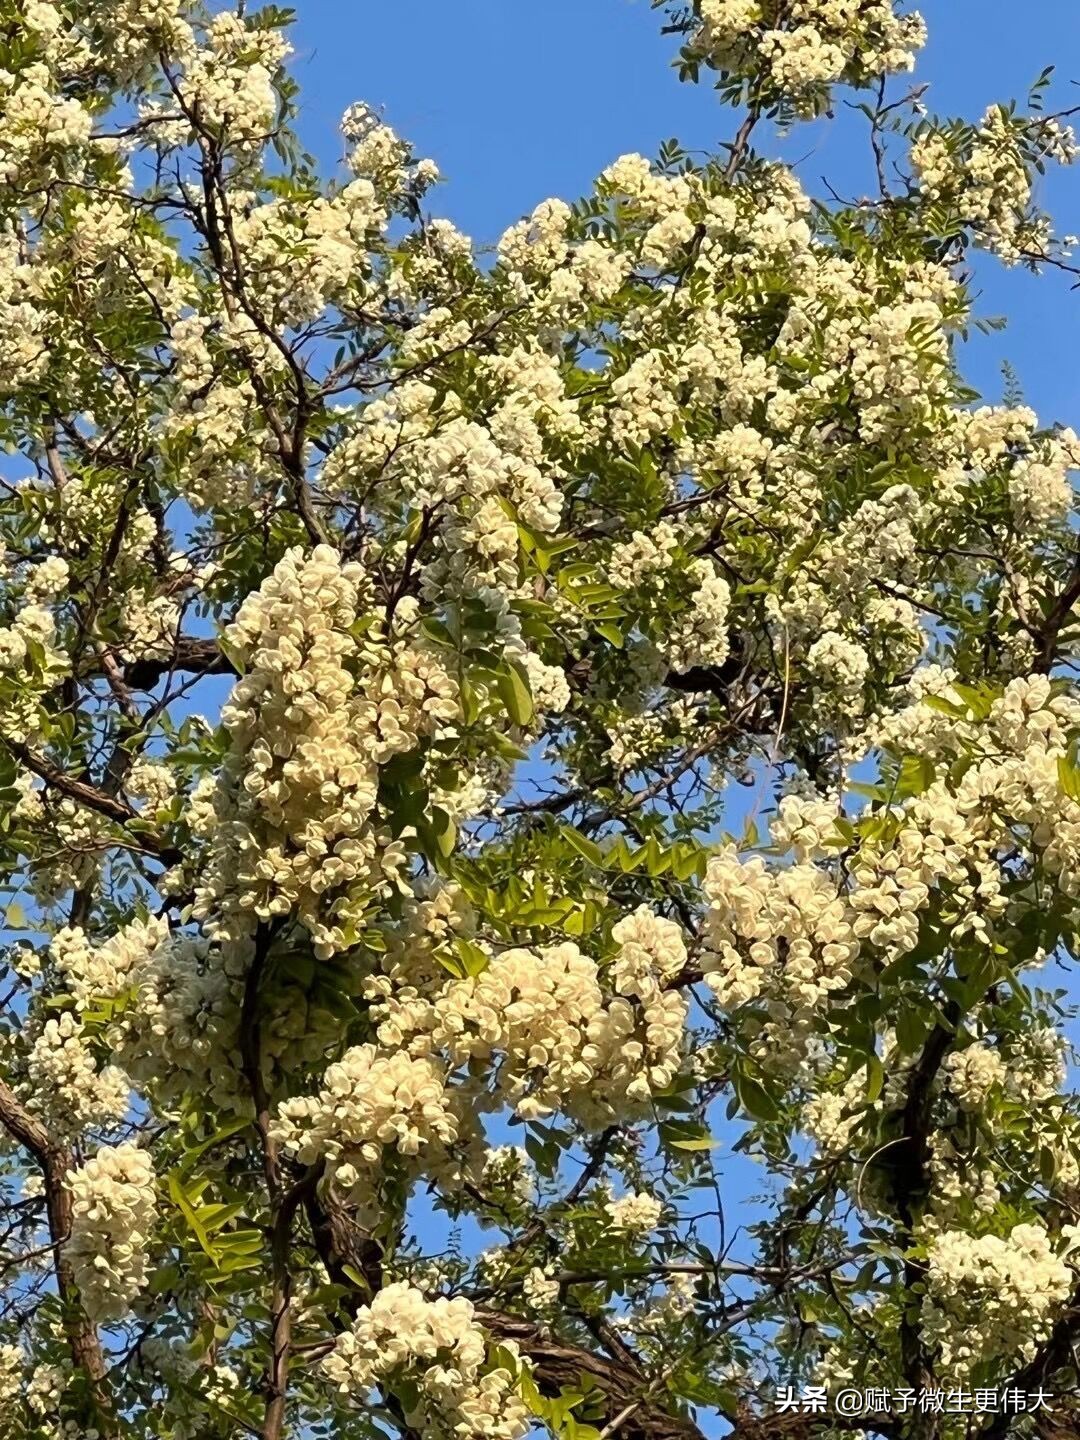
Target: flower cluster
(985, 174)
(785, 930)
(992, 1295)
(228, 86)
(560, 1042)
(65, 1084)
(320, 705)
(636, 1214)
(508, 1171)
(371, 1101)
(435, 1353)
(113, 1205)
(972, 1074)
(798, 51)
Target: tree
(506, 565)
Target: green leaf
(611, 633)
(869, 792)
(657, 861)
(979, 700)
(474, 960)
(582, 844)
(755, 1099)
(507, 749)
(351, 1273)
(916, 775)
(444, 831)
(452, 964)
(530, 1394)
(178, 1193)
(619, 857)
(515, 694)
(213, 1217)
(911, 1028)
(947, 707)
(543, 1153)
(1068, 777)
(686, 1135)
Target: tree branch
(92, 797)
(54, 1161)
(557, 1365)
(283, 1204)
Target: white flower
(440, 1348)
(638, 1213)
(113, 1209)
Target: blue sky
(520, 101)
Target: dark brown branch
(92, 797)
(342, 1245)
(283, 1206)
(54, 1162)
(557, 1365)
(1056, 618)
(598, 1154)
(908, 1163)
(190, 655)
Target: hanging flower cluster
(993, 1294)
(114, 1205)
(799, 51)
(294, 824)
(439, 1351)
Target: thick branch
(55, 1162)
(342, 1245)
(92, 797)
(283, 1205)
(557, 1365)
(909, 1162)
(189, 654)
(1056, 619)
